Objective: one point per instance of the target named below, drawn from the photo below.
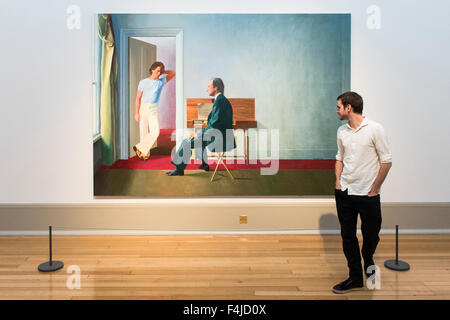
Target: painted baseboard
(210, 217)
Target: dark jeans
(369, 209)
(184, 152)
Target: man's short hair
(353, 99)
(218, 83)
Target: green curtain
(108, 91)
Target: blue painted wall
(294, 65)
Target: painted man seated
(217, 136)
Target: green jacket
(220, 118)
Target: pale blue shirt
(152, 89)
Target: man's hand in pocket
(373, 192)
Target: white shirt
(152, 89)
(215, 97)
(361, 151)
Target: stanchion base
(396, 265)
(47, 267)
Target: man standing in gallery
(363, 161)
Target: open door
(141, 55)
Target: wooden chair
(219, 160)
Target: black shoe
(175, 172)
(368, 274)
(204, 166)
(347, 286)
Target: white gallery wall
(402, 70)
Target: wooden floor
(216, 267)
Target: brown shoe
(138, 153)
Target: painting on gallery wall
(217, 105)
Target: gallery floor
(215, 267)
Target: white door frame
(180, 113)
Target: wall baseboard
(192, 218)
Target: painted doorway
(143, 51)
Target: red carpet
(165, 143)
(160, 160)
(163, 163)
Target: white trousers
(148, 127)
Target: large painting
(218, 105)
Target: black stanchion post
(396, 264)
(50, 265)
(396, 244)
(50, 244)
